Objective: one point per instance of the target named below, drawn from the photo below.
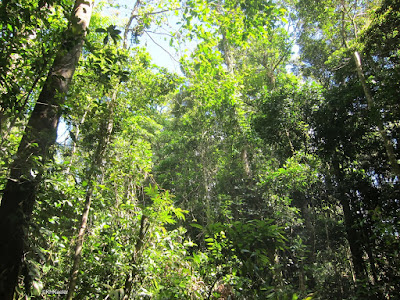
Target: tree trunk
(79, 243)
(40, 134)
(356, 249)
(352, 232)
(128, 25)
(387, 143)
(78, 129)
(103, 142)
(138, 248)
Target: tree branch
(161, 47)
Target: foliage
(238, 179)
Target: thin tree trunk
(207, 178)
(352, 233)
(229, 62)
(138, 248)
(302, 286)
(353, 273)
(228, 59)
(387, 143)
(381, 128)
(79, 243)
(246, 163)
(103, 142)
(277, 272)
(40, 134)
(290, 141)
(371, 259)
(128, 25)
(369, 250)
(78, 129)
(97, 161)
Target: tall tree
(337, 48)
(34, 150)
(31, 32)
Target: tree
(30, 34)
(349, 19)
(350, 121)
(33, 152)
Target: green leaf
(101, 30)
(196, 226)
(106, 39)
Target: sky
(157, 38)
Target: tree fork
(40, 134)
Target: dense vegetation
(258, 172)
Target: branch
(161, 47)
(133, 16)
(160, 33)
(156, 12)
(218, 277)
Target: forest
(266, 167)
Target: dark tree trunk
(353, 233)
(353, 236)
(40, 134)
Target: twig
(212, 286)
(161, 47)
(160, 33)
(156, 12)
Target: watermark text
(56, 292)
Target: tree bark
(40, 134)
(128, 25)
(79, 244)
(78, 129)
(352, 232)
